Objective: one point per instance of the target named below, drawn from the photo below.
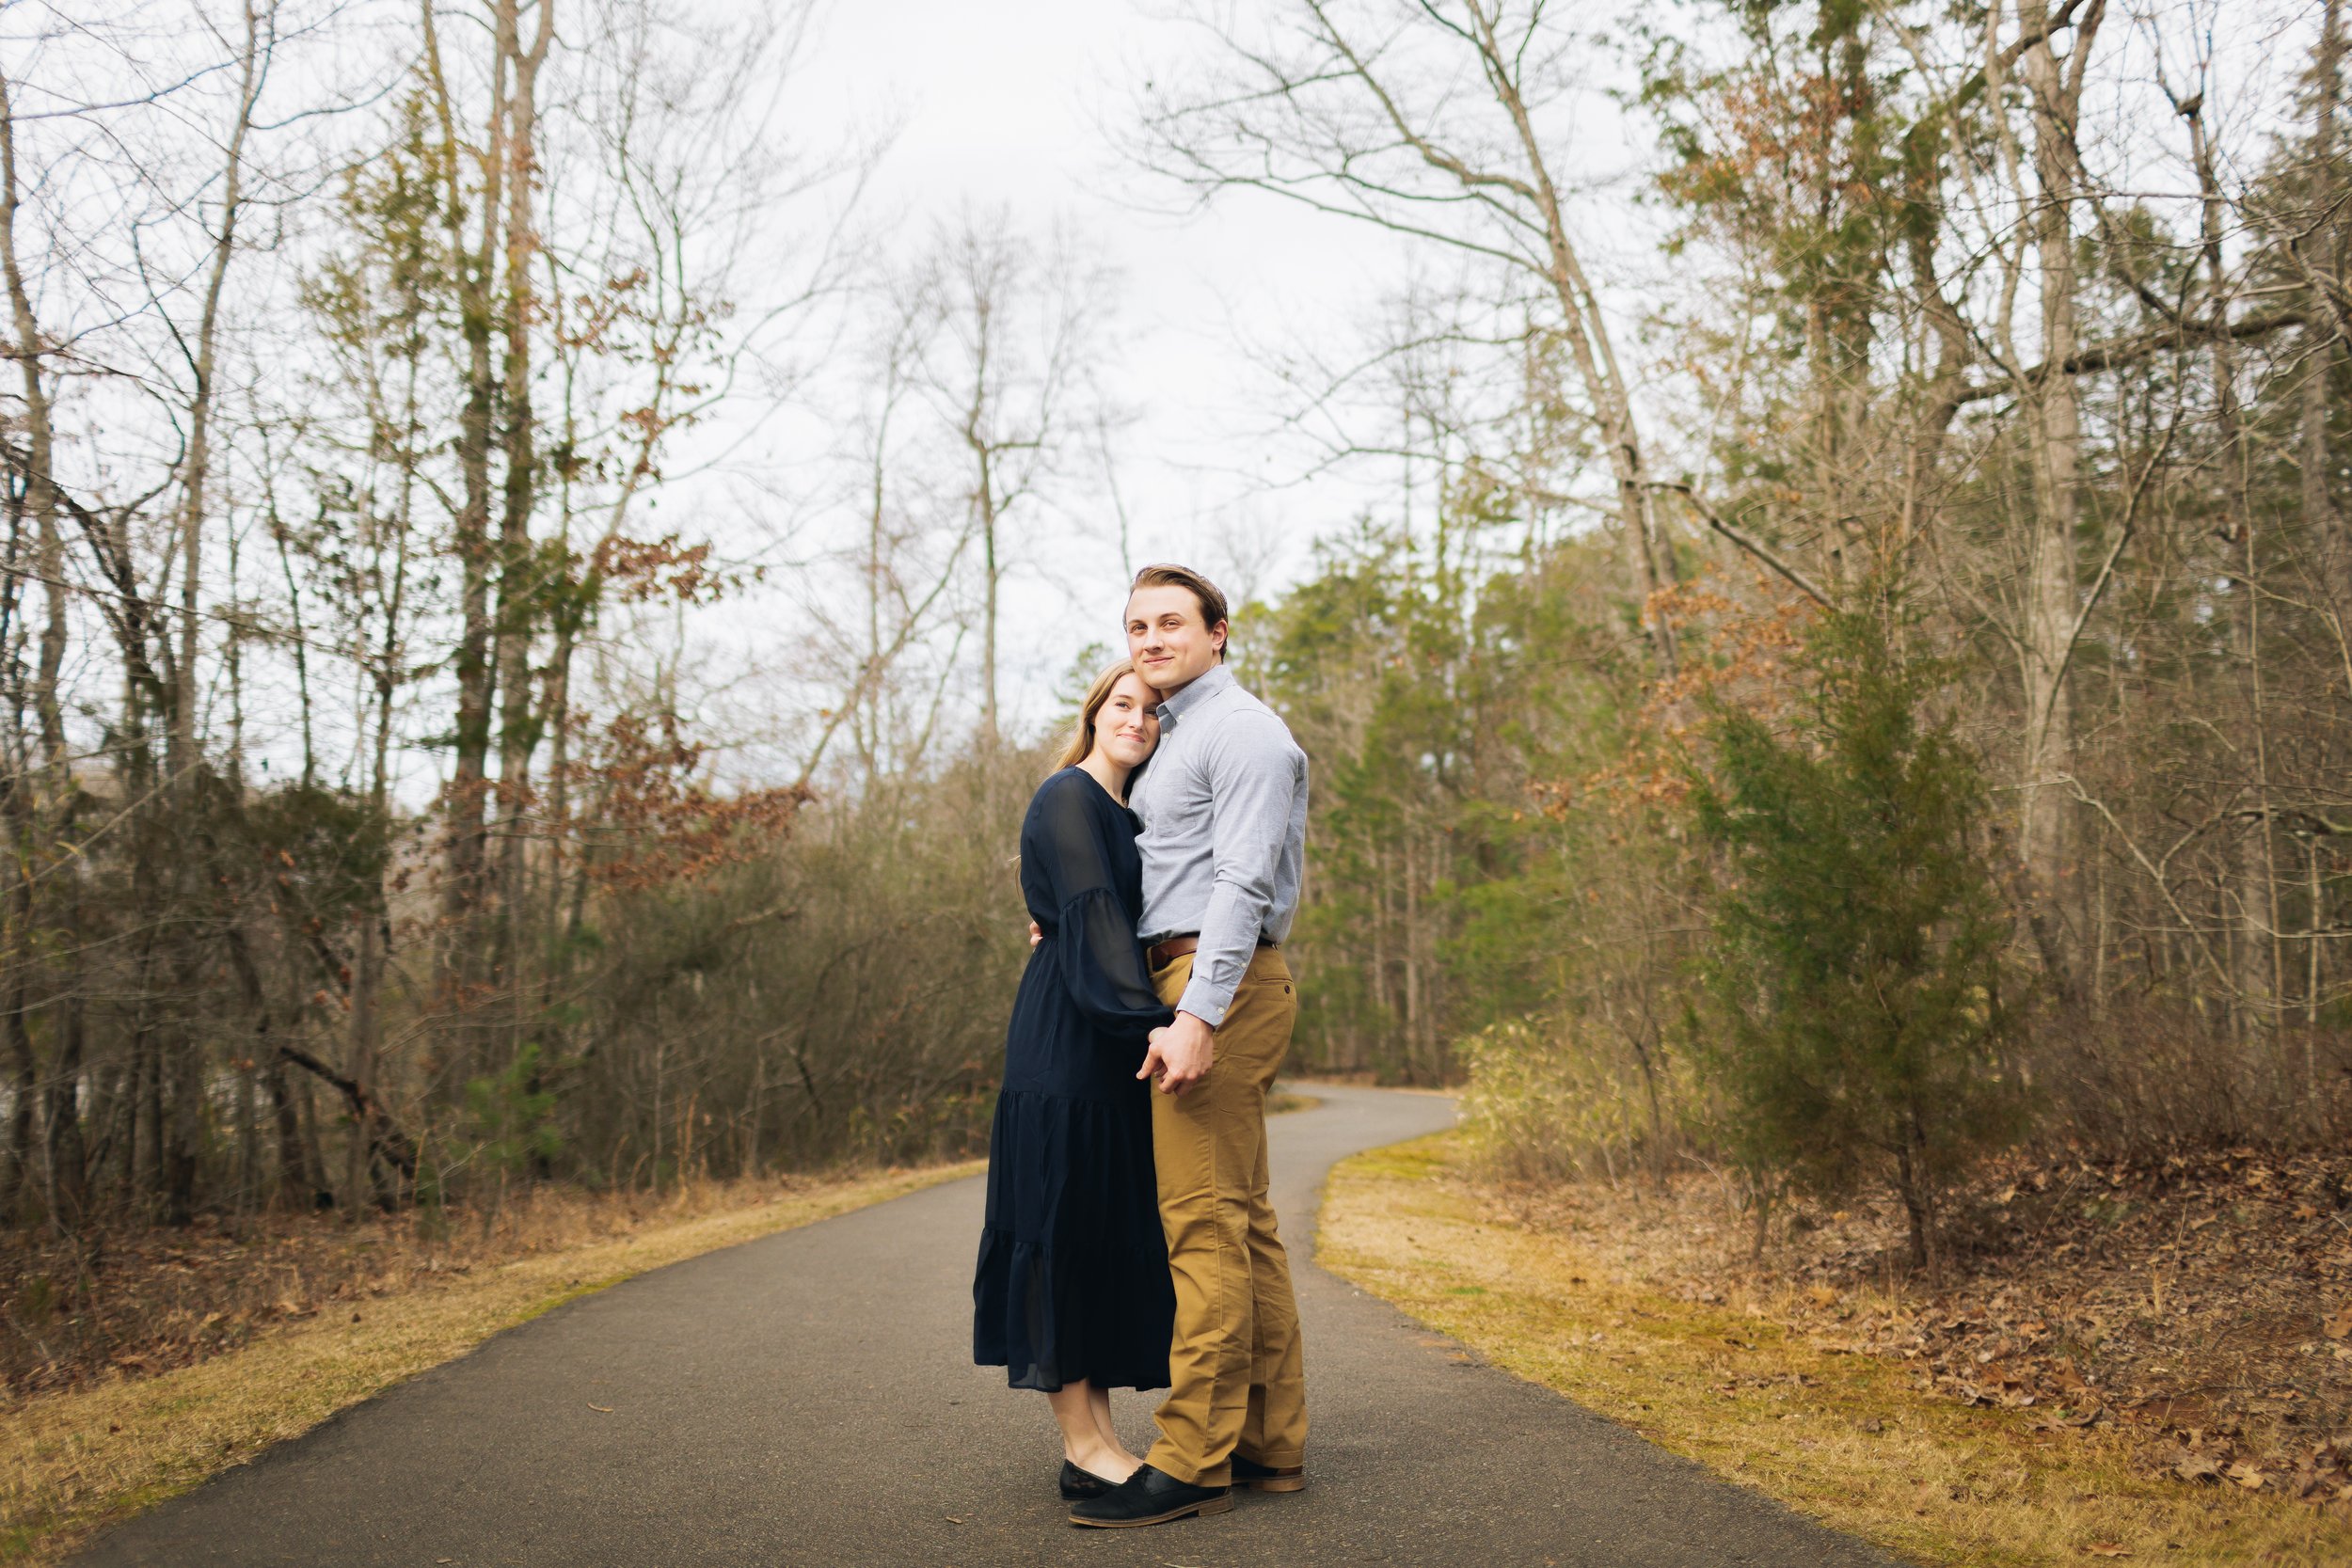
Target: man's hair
(1212, 598)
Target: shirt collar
(1218, 678)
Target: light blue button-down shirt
(1223, 804)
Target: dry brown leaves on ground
(2203, 1301)
(141, 1301)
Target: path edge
(67, 1430)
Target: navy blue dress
(1073, 1280)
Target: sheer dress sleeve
(1094, 935)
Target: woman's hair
(1082, 738)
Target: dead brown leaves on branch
(1794, 136)
(1737, 653)
(639, 571)
(589, 323)
(655, 822)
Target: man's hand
(1036, 935)
(1181, 1054)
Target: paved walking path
(808, 1399)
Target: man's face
(1167, 638)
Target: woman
(1073, 1294)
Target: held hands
(1181, 1054)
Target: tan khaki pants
(1235, 1370)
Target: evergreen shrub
(1858, 1022)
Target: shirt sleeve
(1094, 937)
(1253, 771)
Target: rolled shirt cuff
(1202, 1002)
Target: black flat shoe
(1150, 1497)
(1268, 1478)
(1077, 1484)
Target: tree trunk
(197, 471)
(313, 1147)
(62, 1116)
(146, 1120)
(366, 1035)
(297, 1184)
(16, 1159)
(1589, 344)
(1912, 1187)
(47, 814)
(294, 1180)
(2254, 951)
(2320, 512)
(2053, 421)
(519, 588)
(185, 1124)
(471, 263)
(985, 516)
(559, 718)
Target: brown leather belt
(1166, 951)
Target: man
(1223, 804)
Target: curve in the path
(808, 1399)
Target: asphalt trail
(808, 1399)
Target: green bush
(1859, 1026)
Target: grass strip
(1847, 1439)
(72, 1461)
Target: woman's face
(1127, 726)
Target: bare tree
(1010, 369)
(1360, 111)
(40, 802)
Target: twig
(1715, 521)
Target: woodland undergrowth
(2200, 1303)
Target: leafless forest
(2010, 337)
(1860, 639)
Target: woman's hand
(1180, 1054)
(1036, 934)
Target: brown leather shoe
(1268, 1478)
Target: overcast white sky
(1011, 103)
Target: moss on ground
(1849, 1439)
